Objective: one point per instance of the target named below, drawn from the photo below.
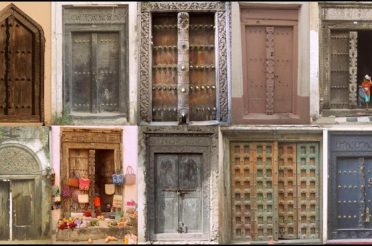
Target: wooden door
(269, 67)
(24, 224)
(178, 199)
(4, 210)
(95, 73)
(21, 67)
(274, 191)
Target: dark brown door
(4, 210)
(95, 72)
(21, 67)
(269, 68)
(24, 224)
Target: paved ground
(100, 241)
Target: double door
(274, 191)
(178, 194)
(17, 210)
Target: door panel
(24, 226)
(81, 73)
(3, 47)
(108, 51)
(274, 191)
(190, 173)
(4, 210)
(287, 191)
(166, 198)
(256, 66)
(283, 57)
(350, 198)
(368, 190)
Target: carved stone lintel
(91, 136)
(182, 6)
(101, 15)
(270, 61)
(353, 69)
(17, 160)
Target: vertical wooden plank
(202, 67)
(94, 70)
(164, 67)
(339, 91)
(283, 73)
(353, 68)
(3, 62)
(24, 226)
(81, 72)
(108, 64)
(308, 190)
(190, 185)
(183, 67)
(4, 210)
(166, 198)
(287, 191)
(270, 69)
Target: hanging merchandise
(117, 201)
(97, 201)
(75, 194)
(83, 198)
(109, 189)
(73, 181)
(130, 177)
(84, 183)
(118, 178)
(66, 192)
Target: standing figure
(364, 91)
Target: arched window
(21, 67)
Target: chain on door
(274, 191)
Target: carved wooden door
(269, 69)
(183, 67)
(178, 196)
(24, 224)
(21, 67)
(95, 72)
(274, 191)
(4, 210)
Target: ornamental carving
(109, 15)
(91, 136)
(353, 14)
(353, 53)
(17, 160)
(352, 143)
(181, 6)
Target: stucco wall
(314, 61)
(41, 13)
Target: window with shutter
(183, 57)
(95, 67)
(21, 67)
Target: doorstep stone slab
(83, 234)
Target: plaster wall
(41, 13)
(129, 157)
(57, 70)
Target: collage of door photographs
(185, 122)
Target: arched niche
(21, 67)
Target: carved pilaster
(270, 70)
(222, 64)
(353, 69)
(145, 81)
(183, 67)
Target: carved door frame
(171, 141)
(38, 62)
(333, 17)
(89, 139)
(90, 22)
(222, 54)
(29, 173)
(343, 145)
(282, 136)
